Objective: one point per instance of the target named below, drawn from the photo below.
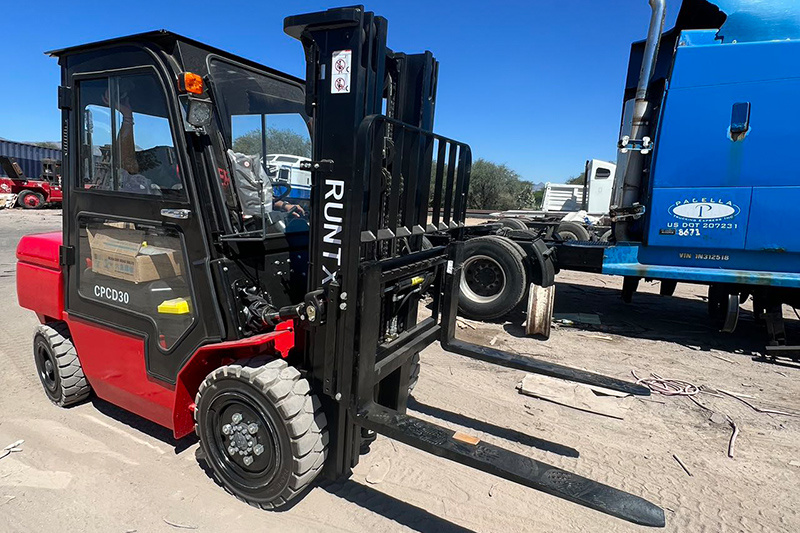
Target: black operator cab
(261, 258)
(176, 205)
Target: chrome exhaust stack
(634, 141)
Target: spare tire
(493, 277)
(572, 231)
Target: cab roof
(165, 39)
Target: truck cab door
(599, 185)
(139, 296)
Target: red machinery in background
(32, 193)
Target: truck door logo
(704, 209)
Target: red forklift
(184, 290)
(32, 193)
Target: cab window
(267, 137)
(126, 140)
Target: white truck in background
(594, 196)
(573, 212)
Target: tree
(525, 195)
(279, 141)
(494, 186)
(47, 144)
(538, 198)
(577, 180)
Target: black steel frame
(374, 178)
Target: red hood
(40, 249)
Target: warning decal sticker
(340, 71)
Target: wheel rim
(482, 280)
(244, 443)
(31, 200)
(47, 367)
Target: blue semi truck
(707, 185)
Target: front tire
(262, 430)
(30, 200)
(58, 366)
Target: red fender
(40, 282)
(212, 356)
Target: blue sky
(536, 85)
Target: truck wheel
(413, 377)
(513, 223)
(262, 430)
(58, 365)
(30, 200)
(493, 277)
(572, 231)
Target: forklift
(184, 290)
(32, 193)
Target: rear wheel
(513, 223)
(262, 430)
(30, 200)
(493, 277)
(58, 365)
(572, 231)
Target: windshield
(267, 136)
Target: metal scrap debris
(569, 319)
(732, 442)
(682, 465)
(463, 323)
(11, 448)
(724, 359)
(599, 337)
(667, 387)
(741, 398)
(179, 526)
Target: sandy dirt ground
(94, 467)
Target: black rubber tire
(413, 376)
(509, 259)
(24, 194)
(58, 366)
(513, 223)
(572, 231)
(292, 416)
